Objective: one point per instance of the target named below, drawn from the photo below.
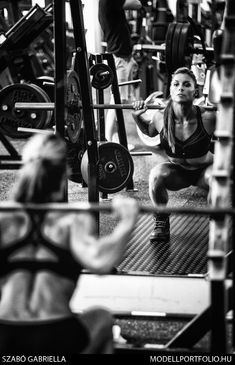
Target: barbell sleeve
(130, 82)
(34, 106)
(96, 207)
(162, 48)
(36, 130)
(51, 106)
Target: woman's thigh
(172, 176)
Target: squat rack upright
(82, 68)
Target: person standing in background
(116, 34)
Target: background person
(185, 132)
(116, 33)
(41, 258)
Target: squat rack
(82, 69)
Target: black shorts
(60, 336)
(191, 176)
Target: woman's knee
(157, 176)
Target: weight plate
(49, 88)
(102, 76)
(179, 46)
(74, 111)
(168, 51)
(48, 122)
(185, 55)
(177, 42)
(115, 167)
(11, 119)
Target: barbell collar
(51, 106)
(96, 207)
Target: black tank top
(64, 264)
(197, 145)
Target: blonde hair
(169, 115)
(44, 168)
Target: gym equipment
(26, 29)
(102, 76)
(51, 106)
(179, 46)
(115, 167)
(107, 208)
(162, 18)
(74, 117)
(221, 187)
(107, 58)
(47, 84)
(11, 119)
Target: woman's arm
(101, 254)
(209, 120)
(145, 124)
(150, 122)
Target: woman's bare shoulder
(208, 119)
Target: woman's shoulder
(207, 115)
(208, 119)
(13, 226)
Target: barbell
(107, 208)
(39, 116)
(11, 118)
(179, 46)
(51, 106)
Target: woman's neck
(183, 112)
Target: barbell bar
(162, 48)
(51, 106)
(36, 130)
(129, 82)
(97, 207)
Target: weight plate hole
(110, 167)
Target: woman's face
(182, 88)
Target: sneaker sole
(165, 238)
